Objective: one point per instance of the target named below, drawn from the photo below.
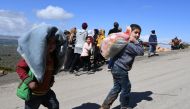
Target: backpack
(23, 90)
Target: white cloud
(54, 12)
(37, 24)
(13, 23)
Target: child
(122, 64)
(85, 55)
(41, 92)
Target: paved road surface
(161, 82)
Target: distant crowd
(83, 47)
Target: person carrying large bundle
(42, 50)
(114, 43)
(123, 61)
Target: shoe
(156, 54)
(103, 108)
(93, 70)
(76, 74)
(90, 72)
(71, 71)
(150, 55)
(65, 70)
(108, 69)
(84, 69)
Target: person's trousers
(48, 100)
(76, 64)
(85, 60)
(122, 85)
(152, 49)
(68, 58)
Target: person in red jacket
(41, 92)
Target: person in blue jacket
(152, 44)
(122, 64)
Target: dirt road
(160, 82)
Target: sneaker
(150, 55)
(108, 69)
(156, 54)
(76, 74)
(84, 69)
(104, 107)
(71, 71)
(101, 108)
(90, 72)
(93, 70)
(65, 70)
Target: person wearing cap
(152, 44)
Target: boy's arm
(135, 49)
(52, 81)
(22, 70)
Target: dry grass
(8, 57)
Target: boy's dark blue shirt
(153, 39)
(126, 57)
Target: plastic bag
(23, 90)
(113, 44)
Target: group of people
(75, 49)
(176, 44)
(83, 49)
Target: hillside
(8, 57)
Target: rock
(2, 72)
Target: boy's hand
(32, 85)
(132, 39)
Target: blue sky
(169, 18)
